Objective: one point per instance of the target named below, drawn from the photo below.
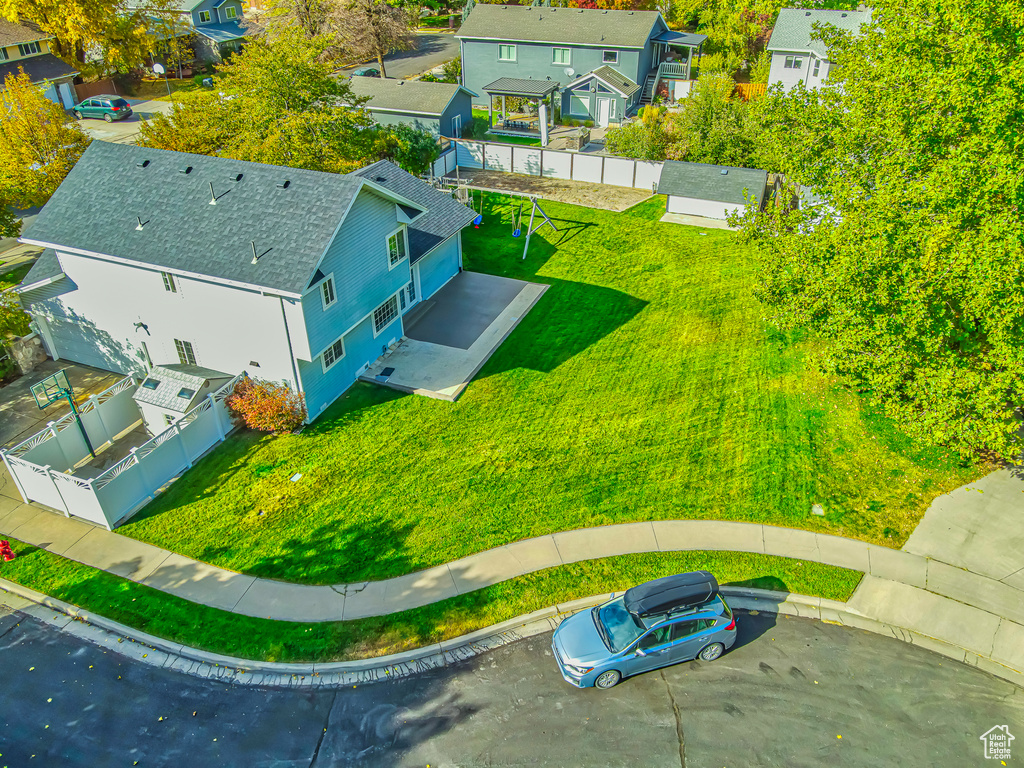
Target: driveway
(125, 131)
(432, 50)
(793, 692)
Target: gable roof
(610, 77)
(45, 269)
(794, 27)
(409, 96)
(574, 26)
(173, 5)
(94, 210)
(170, 380)
(444, 217)
(38, 68)
(708, 182)
(12, 33)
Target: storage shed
(442, 109)
(169, 391)
(711, 191)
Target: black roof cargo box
(671, 593)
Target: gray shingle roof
(172, 5)
(46, 267)
(615, 29)
(518, 87)
(171, 380)
(794, 26)
(38, 68)
(707, 182)
(616, 79)
(412, 96)
(444, 217)
(26, 32)
(224, 32)
(95, 209)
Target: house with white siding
(208, 267)
(796, 55)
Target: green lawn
(195, 625)
(643, 386)
(13, 277)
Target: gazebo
(522, 121)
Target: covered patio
(525, 107)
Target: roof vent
(380, 179)
(400, 82)
(629, 13)
(605, 12)
(283, 184)
(807, 13)
(842, 15)
(142, 164)
(725, 171)
(185, 169)
(236, 177)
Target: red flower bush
(267, 406)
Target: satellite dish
(159, 69)
(569, 71)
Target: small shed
(442, 109)
(711, 191)
(169, 391)
(604, 96)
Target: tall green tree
(911, 268)
(713, 125)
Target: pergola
(532, 90)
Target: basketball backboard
(52, 388)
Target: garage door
(70, 343)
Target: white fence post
(223, 433)
(56, 438)
(142, 475)
(14, 477)
(49, 476)
(181, 444)
(107, 437)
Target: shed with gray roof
(441, 109)
(170, 391)
(711, 191)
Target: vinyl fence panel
(618, 171)
(557, 165)
(587, 168)
(498, 157)
(526, 160)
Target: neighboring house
(441, 109)
(287, 274)
(24, 46)
(577, 51)
(710, 191)
(796, 57)
(216, 25)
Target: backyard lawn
(644, 385)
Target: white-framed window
(186, 355)
(411, 290)
(230, 12)
(384, 315)
(506, 53)
(169, 285)
(457, 127)
(28, 49)
(561, 56)
(168, 420)
(817, 67)
(204, 17)
(327, 292)
(397, 247)
(610, 57)
(794, 62)
(333, 354)
(612, 109)
(3, 54)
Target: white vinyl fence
(42, 465)
(550, 164)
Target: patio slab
(433, 359)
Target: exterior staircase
(647, 97)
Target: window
(396, 247)
(151, 383)
(687, 628)
(611, 57)
(169, 282)
(817, 67)
(612, 109)
(27, 49)
(168, 420)
(327, 292)
(411, 290)
(794, 62)
(186, 355)
(384, 314)
(3, 54)
(186, 394)
(333, 354)
(204, 16)
(560, 56)
(506, 53)
(230, 12)
(654, 638)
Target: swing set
(463, 193)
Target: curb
(158, 652)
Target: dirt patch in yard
(605, 196)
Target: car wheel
(78, 115)
(711, 652)
(108, 118)
(608, 679)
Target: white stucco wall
(229, 328)
(710, 209)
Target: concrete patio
(450, 336)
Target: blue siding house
(162, 258)
(441, 109)
(215, 25)
(593, 64)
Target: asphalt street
(793, 692)
(432, 50)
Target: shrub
(452, 70)
(588, 123)
(198, 79)
(266, 405)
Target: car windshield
(616, 625)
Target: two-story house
(215, 24)
(25, 46)
(158, 258)
(593, 64)
(796, 55)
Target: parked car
(662, 622)
(109, 108)
(366, 72)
